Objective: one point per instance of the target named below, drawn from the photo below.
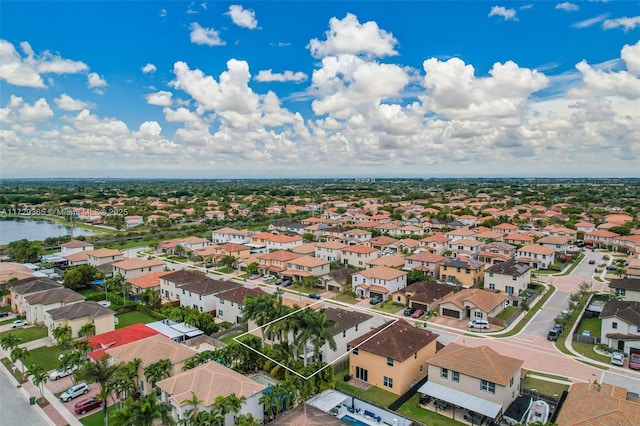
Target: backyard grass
(46, 356)
(225, 270)
(594, 325)
(545, 387)
(5, 308)
(97, 418)
(411, 410)
(229, 339)
(27, 334)
(374, 395)
(587, 350)
(133, 317)
(388, 307)
(346, 298)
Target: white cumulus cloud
(349, 36)
(68, 103)
(627, 23)
(507, 14)
(242, 17)
(149, 68)
(161, 98)
(269, 75)
(567, 6)
(205, 36)
(95, 81)
(631, 56)
(39, 111)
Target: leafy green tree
(80, 277)
(151, 298)
(24, 251)
(309, 282)
(252, 268)
(228, 261)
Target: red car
(592, 262)
(634, 361)
(418, 313)
(85, 405)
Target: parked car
(408, 311)
(592, 262)
(278, 281)
(553, 335)
(58, 374)
(417, 313)
(586, 333)
(375, 300)
(74, 392)
(4, 314)
(617, 358)
(18, 323)
(87, 404)
(559, 327)
(478, 324)
(286, 283)
(612, 267)
(268, 277)
(254, 276)
(315, 296)
(634, 361)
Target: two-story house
(510, 277)
(621, 325)
(627, 288)
(207, 383)
(558, 243)
(194, 243)
(478, 379)
(436, 244)
(329, 251)
(381, 243)
(134, 267)
(305, 266)
(462, 271)
(230, 303)
(600, 238)
(358, 255)
(229, 235)
(78, 315)
(426, 262)
(37, 304)
(519, 239)
(202, 294)
(379, 281)
(505, 228)
(275, 262)
(74, 246)
(465, 247)
(148, 351)
(392, 356)
(103, 259)
(536, 256)
(171, 282)
(19, 289)
(496, 252)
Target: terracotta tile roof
(489, 235)
(553, 239)
(382, 240)
(150, 350)
(398, 341)
(148, 280)
(119, 337)
(390, 260)
(358, 248)
(195, 240)
(465, 242)
(602, 233)
(280, 255)
(436, 238)
(535, 249)
(517, 236)
(238, 295)
(308, 261)
(232, 247)
(424, 256)
(595, 404)
(409, 242)
(227, 231)
(75, 244)
(104, 252)
(208, 381)
(307, 248)
(77, 257)
(382, 273)
(307, 415)
(461, 232)
(334, 245)
(483, 299)
(54, 295)
(506, 226)
(135, 263)
(480, 362)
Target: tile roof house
(378, 281)
(134, 267)
(230, 303)
(462, 271)
(171, 282)
(208, 382)
(600, 238)
(518, 238)
(37, 304)
(475, 378)
(426, 262)
(380, 243)
(392, 356)
(505, 228)
(147, 281)
(436, 244)
(358, 255)
(390, 260)
(230, 235)
(336, 279)
(21, 288)
(305, 266)
(104, 256)
(598, 404)
(111, 339)
(78, 315)
(329, 250)
(425, 295)
(465, 247)
(307, 415)
(627, 288)
(202, 294)
(74, 246)
(557, 243)
(496, 252)
(510, 277)
(473, 303)
(536, 256)
(150, 350)
(621, 325)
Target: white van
(479, 323)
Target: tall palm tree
(82, 346)
(258, 309)
(157, 371)
(38, 376)
(321, 334)
(247, 420)
(272, 402)
(88, 329)
(102, 373)
(144, 412)
(19, 354)
(62, 334)
(10, 341)
(307, 332)
(234, 403)
(194, 402)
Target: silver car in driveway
(617, 358)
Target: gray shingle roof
(627, 311)
(510, 268)
(32, 285)
(80, 310)
(209, 286)
(54, 295)
(631, 284)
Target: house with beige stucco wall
(358, 255)
(78, 315)
(392, 356)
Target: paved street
(15, 406)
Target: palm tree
(62, 334)
(192, 413)
(144, 412)
(234, 403)
(157, 371)
(38, 376)
(271, 401)
(307, 331)
(10, 341)
(19, 354)
(258, 309)
(103, 373)
(88, 329)
(247, 420)
(321, 333)
(82, 346)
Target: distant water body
(12, 229)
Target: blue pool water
(347, 418)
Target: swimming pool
(347, 418)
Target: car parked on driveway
(478, 324)
(4, 314)
(592, 262)
(408, 311)
(315, 296)
(286, 283)
(18, 323)
(87, 404)
(375, 300)
(268, 277)
(617, 358)
(418, 313)
(74, 392)
(58, 374)
(634, 362)
(254, 276)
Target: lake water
(12, 229)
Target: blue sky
(319, 89)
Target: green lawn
(229, 339)
(592, 324)
(17, 374)
(506, 313)
(5, 308)
(373, 395)
(46, 356)
(133, 317)
(346, 298)
(27, 334)
(295, 288)
(411, 410)
(7, 321)
(97, 419)
(587, 350)
(388, 307)
(545, 387)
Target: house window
(444, 373)
(468, 271)
(344, 333)
(220, 312)
(415, 355)
(478, 314)
(614, 325)
(355, 351)
(455, 376)
(488, 386)
(421, 369)
(221, 301)
(183, 292)
(511, 382)
(388, 382)
(515, 278)
(492, 286)
(621, 291)
(356, 327)
(390, 362)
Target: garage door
(450, 313)
(419, 306)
